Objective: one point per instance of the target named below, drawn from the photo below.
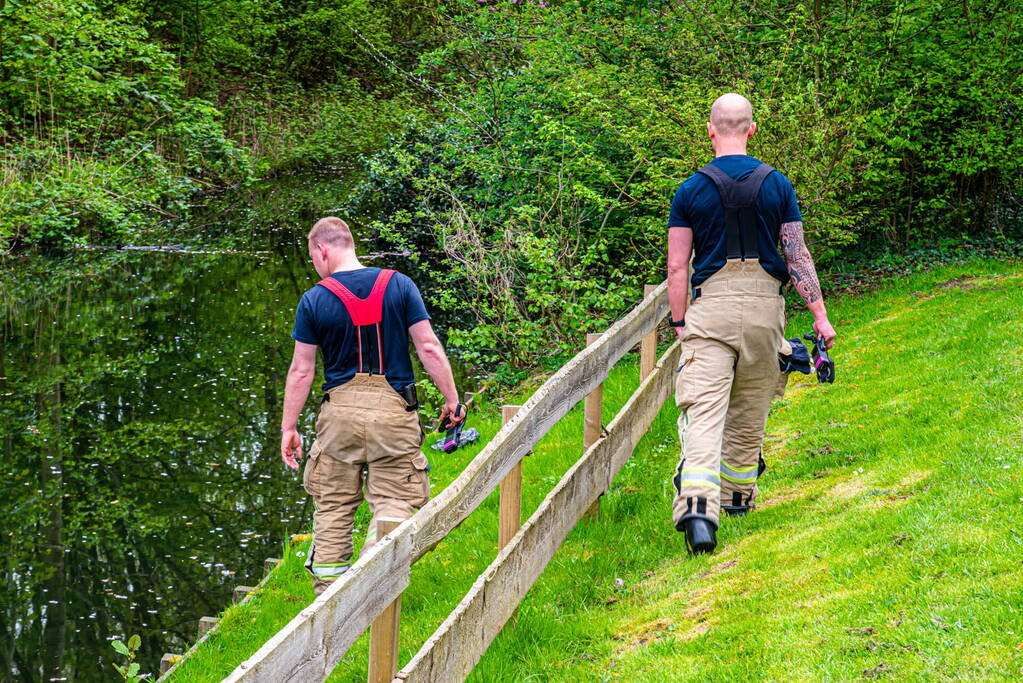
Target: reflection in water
(140, 398)
(140, 474)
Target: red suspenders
(364, 312)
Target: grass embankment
(887, 540)
(441, 578)
(885, 543)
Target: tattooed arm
(804, 278)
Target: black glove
(798, 360)
(821, 360)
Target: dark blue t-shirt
(323, 320)
(697, 205)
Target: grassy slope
(884, 545)
(439, 580)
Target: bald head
(331, 232)
(731, 116)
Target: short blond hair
(332, 232)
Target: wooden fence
(309, 647)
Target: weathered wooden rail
(309, 647)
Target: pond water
(140, 399)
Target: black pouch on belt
(408, 392)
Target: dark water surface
(140, 476)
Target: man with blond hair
(368, 435)
(728, 218)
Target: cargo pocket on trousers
(420, 480)
(683, 384)
(309, 480)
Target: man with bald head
(368, 435)
(727, 219)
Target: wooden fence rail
(309, 647)
(457, 645)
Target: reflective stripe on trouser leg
(323, 573)
(694, 476)
(739, 489)
(702, 389)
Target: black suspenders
(739, 198)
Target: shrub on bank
(540, 202)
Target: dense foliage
(114, 114)
(569, 125)
(525, 151)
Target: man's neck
(344, 262)
(726, 147)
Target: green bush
(540, 201)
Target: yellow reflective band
(322, 571)
(729, 467)
(702, 483)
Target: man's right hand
(822, 328)
(291, 448)
(449, 410)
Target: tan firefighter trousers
(364, 424)
(727, 378)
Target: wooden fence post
(648, 347)
(593, 407)
(383, 634)
(206, 624)
(241, 593)
(511, 493)
(168, 660)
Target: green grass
(885, 544)
(441, 578)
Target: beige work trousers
(727, 378)
(364, 424)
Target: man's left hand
(291, 448)
(822, 328)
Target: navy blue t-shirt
(697, 205)
(323, 320)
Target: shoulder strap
(739, 198)
(364, 312)
(368, 311)
(737, 193)
(722, 181)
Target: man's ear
(710, 131)
(752, 130)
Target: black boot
(699, 535)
